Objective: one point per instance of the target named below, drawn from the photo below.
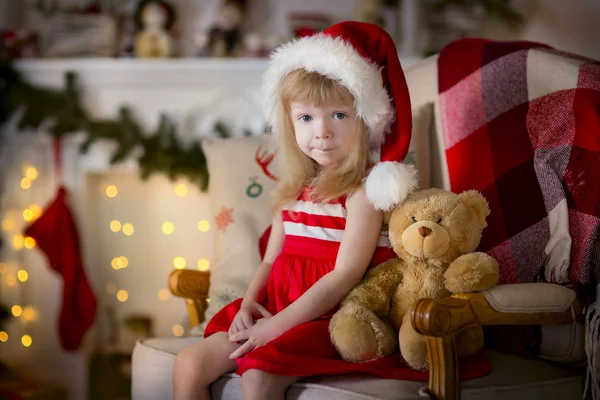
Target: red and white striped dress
(313, 233)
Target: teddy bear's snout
(425, 239)
(424, 231)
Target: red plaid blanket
(521, 123)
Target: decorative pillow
(242, 173)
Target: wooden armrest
(443, 317)
(439, 320)
(193, 286)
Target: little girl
(339, 106)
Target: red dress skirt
(309, 252)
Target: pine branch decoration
(161, 151)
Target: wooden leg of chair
(443, 368)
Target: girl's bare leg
(200, 364)
(257, 384)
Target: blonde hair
(300, 171)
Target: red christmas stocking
(56, 235)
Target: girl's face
(327, 133)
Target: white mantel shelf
(131, 72)
(148, 72)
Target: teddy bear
(434, 234)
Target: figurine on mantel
(369, 11)
(225, 38)
(154, 21)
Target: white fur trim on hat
(389, 183)
(336, 59)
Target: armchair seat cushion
(512, 378)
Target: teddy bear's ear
(475, 200)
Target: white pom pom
(389, 183)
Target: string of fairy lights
(15, 275)
(167, 228)
(14, 272)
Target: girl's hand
(244, 319)
(263, 331)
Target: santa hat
(362, 57)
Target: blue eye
(339, 116)
(305, 118)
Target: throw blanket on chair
(521, 124)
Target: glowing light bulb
(16, 310)
(37, 210)
(22, 275)
(203, 264)
(203, 226)
(30, 173)
(3, 337)
(25, 183)
(115, 225)
(3, 268)
(122, 295)
(179, 262)
(26, 340)
(11, 280)
(27, 214)
(181, 190)
(111, 191)
(29, 242)
(178, 330)
(128, 229)
(119, 262)
(168, 228)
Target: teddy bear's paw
(423, 366)
(469, 341)
(418, 363)
(414, 350)
(354, 339)
(471, 273)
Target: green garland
(162, 150)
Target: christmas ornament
(255, 189)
